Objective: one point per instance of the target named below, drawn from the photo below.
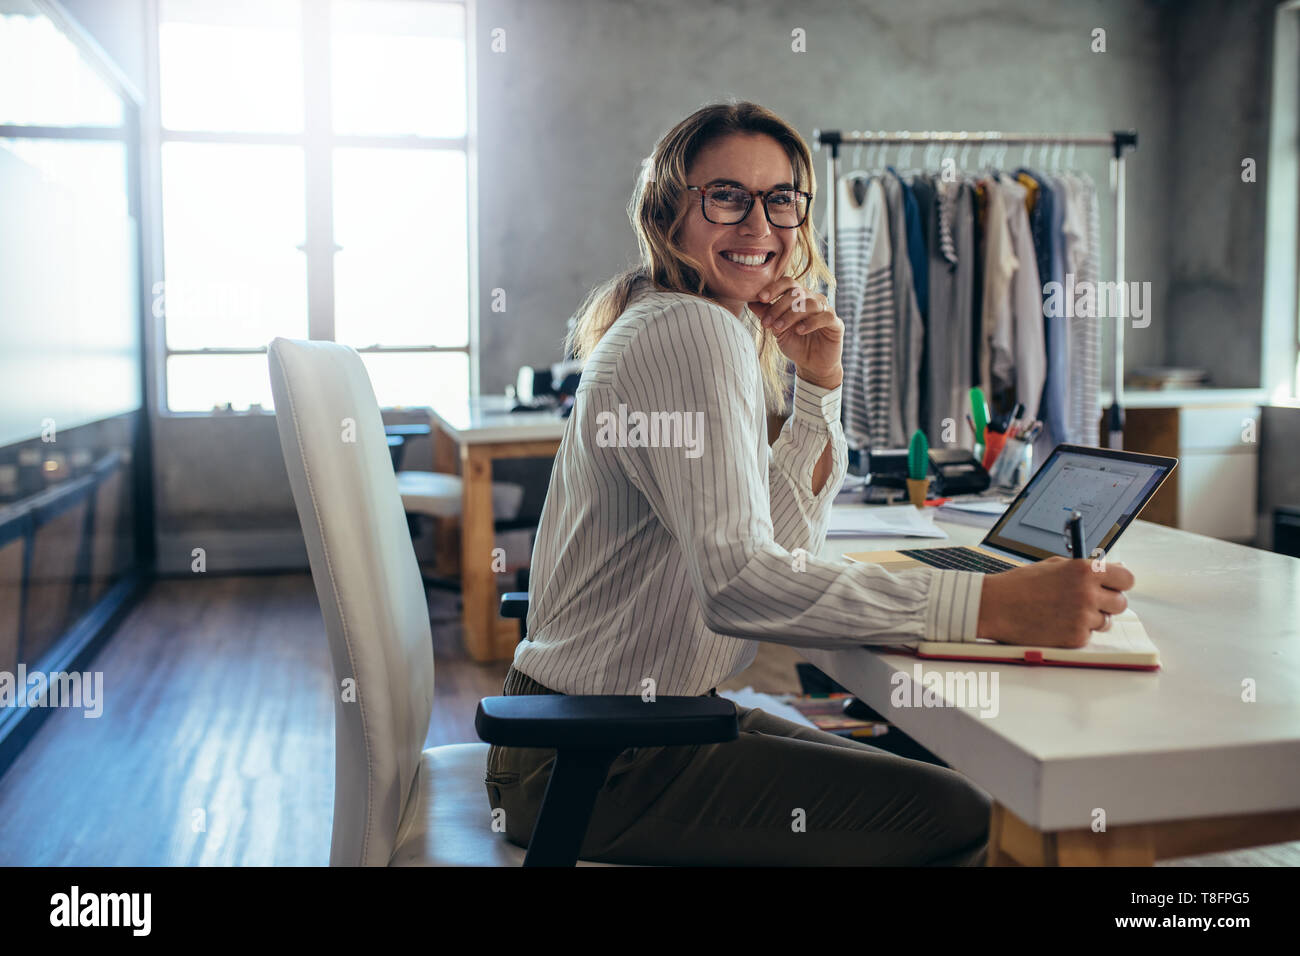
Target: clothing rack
(1119, 142)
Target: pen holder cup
(917, 489)
(1013, 466)
(993, 442)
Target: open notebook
(1125, 645)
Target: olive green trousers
(782, 794)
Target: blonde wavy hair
(658, 210)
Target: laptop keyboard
(959, 559)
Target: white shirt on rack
(665, 551)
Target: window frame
(318, 142)
(1280, 339)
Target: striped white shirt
(665, 544)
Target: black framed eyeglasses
(725, 205)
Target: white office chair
(395, 805)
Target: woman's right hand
(1058, 602)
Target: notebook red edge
(1030, 661)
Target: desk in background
(1176, 759)
(474, 432)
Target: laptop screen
(1107, 487)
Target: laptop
(1109, 487)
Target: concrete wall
(1222, 76)
(586, 86)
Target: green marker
(979, 411)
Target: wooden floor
(216, 745)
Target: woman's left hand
(807, 330)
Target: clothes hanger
(859, 177)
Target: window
(314, 171)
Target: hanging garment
(908, 331)
(1083, 258)
(864, 302)
(1000, 263)
(1022, 338)
(948, 349)
(928, 231)
(916, 254)
(1046, 219)
(978, 349)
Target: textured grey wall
(1222, 77)
(585, 87)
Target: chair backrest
(369, 586)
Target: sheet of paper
(748, 697)
(977, 507)
(1126, 635)
(897, 521)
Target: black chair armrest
(515, 524)
(604, 722)
(588, 732)
(514, 604)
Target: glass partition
(74, 522)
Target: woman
(669, 541)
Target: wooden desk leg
(478, 583)
(997, 854)
(446, 535)
(1013, 842)
(1121, 846)
(488, 636)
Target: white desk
(471, 433)
(1175, 758)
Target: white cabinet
(1214, 489)
(1216, 494)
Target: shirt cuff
(953, 608)
(815, 405)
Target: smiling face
(739, 260)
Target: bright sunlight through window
(314, 185)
